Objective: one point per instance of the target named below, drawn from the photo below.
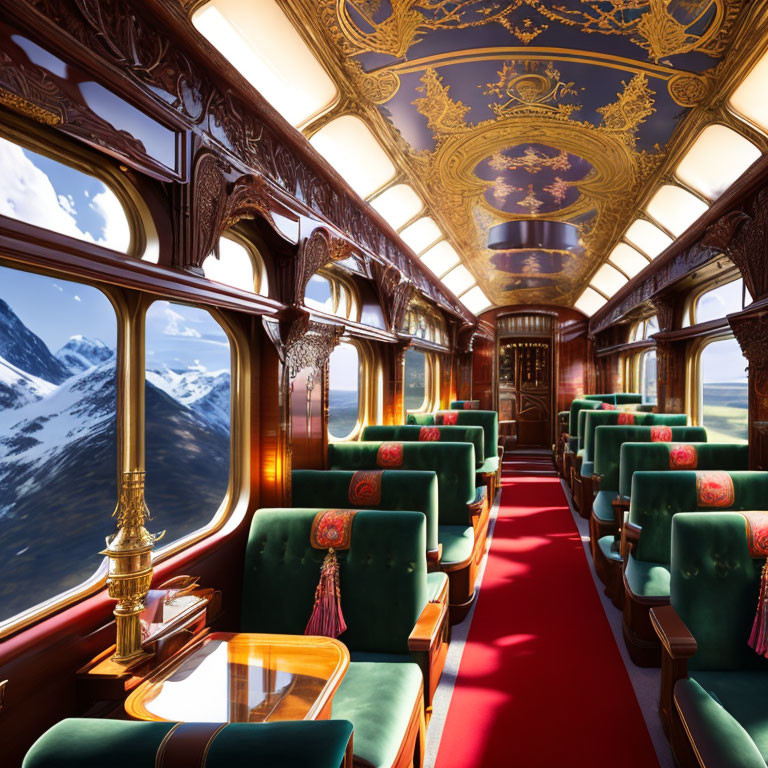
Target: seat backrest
(577, 406)
(445, 434)
(400, 490)
(657, 496)
(640, 454)
(715, 586)
(595, 419)
(383, 576)
(609, 441)
(95, 743)
(465, 405)
(616, 398)
(454, 464)
(488, 420)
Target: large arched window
(237, 264)
(332, 295)
(648, 376)
(722, 391)
(58, 439)
(344, 395)
(49, 194)
(188, 395)
(717, 302)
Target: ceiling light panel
(608, 280)
(421, 234)
(627, 259)
(715, 160)
(458, 280)
(440, 258)
(475, 300)
(749, 98)
(397, 205)
(350, 147)
(269, 53)
(589, 302)
(648, 238)
(675, 208)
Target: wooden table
(244, 678)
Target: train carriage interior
(383, 383)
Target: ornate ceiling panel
(559, 109)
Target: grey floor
(644, 681)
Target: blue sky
(182, 337)
(57, 309)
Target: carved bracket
(751, 331)
(309, 345)
(395, 293)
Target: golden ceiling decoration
(566, 129)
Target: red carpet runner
(541, 681)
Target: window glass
(343, 390)
(397, 205)
(648, 376)
(627, 259)
(675, 209)
(608, 280)
(54, 196)
(723, 391)
(651, 326)
(415, 379)
(589, 302)
(648, 238)
(440, 258)
(458, 280)
(475, 300)
(234, 266)
(58, 435)
(749, 98)
(421, 234)
(319, 294)
(187, 411)
(719, 302)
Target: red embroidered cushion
(365, 487)
(449, 418)
(714, 489)
(390, 455)
(626, 418)
(470, 405)
(429, 434)
(683, 456)
(661, 434)
(332, 528)
(607, 407)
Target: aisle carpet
(541, 681)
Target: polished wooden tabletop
(244, 678)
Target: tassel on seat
(331, 530)
(757, 540)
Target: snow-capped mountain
(27, 351)
(58, 457)
(206, 392)
(81, 353)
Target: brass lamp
(130, 565)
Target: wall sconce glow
(421, 234)
(608, 280)
(648, 238)
(475, 300)
(589, 302)
(627, 259)
(350, 147)
(440, 258)
(458, 280)
(749, 100)
(675, 208)
(715, 160)
(397, 205)
(269, 53)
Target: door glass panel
(415, 379)
(724, 392)
(343, 390)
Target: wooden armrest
(620, 507)
(676, 638)
(426, 632)
(596, 483)
(630, 535)
(434, 555)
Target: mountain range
(58, 457)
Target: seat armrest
(620, 507)
(630, 535)
(675, 637)
(426, 632)
(677, 646)
(596, 483)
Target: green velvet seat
(462, 508)
(715, 584)
(400, 490)
(383, 580)
(465, 405)
(488, 420)
(91, 743)
(656, 500)
(446, 434)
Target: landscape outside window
(415, 378)
(648, 376)
(58, 435)
(343, 390)
(723, 390)
(187, 404)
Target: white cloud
(197, 366)
(176, 325)
(77, 298)
(28, 195)
(58, 287)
